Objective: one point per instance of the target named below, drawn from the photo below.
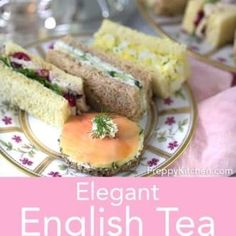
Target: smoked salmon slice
(99, 154)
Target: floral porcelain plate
(33, 145)
(171, 27)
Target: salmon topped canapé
(106, 155)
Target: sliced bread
(102, 90)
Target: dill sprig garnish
(103, 126)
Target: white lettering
(167, 211)
(25, 221)
(207, 229)
(133, 219)
(184, 223)
(81, 221)
(80, 191)
(47, 220)
(116, 226)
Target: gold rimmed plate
(171, 27)
(33, 146)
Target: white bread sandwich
(110, 85)
(213, 21)
(39, 88)
(166, 8)
(165, 60)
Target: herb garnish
(103, 126)
(112, 73)
(5, 60)
(31, 74)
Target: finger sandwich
(165, 60)
(110, 84)
(213, 21)
(38, 87)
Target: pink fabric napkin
(212, 151)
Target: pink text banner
(117, 207)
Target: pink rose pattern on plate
(167, 134)
(153, 162)
(17, 138)
(7, 120)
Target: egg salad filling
(88, 59)
(170, 66)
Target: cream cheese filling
(91, 60)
